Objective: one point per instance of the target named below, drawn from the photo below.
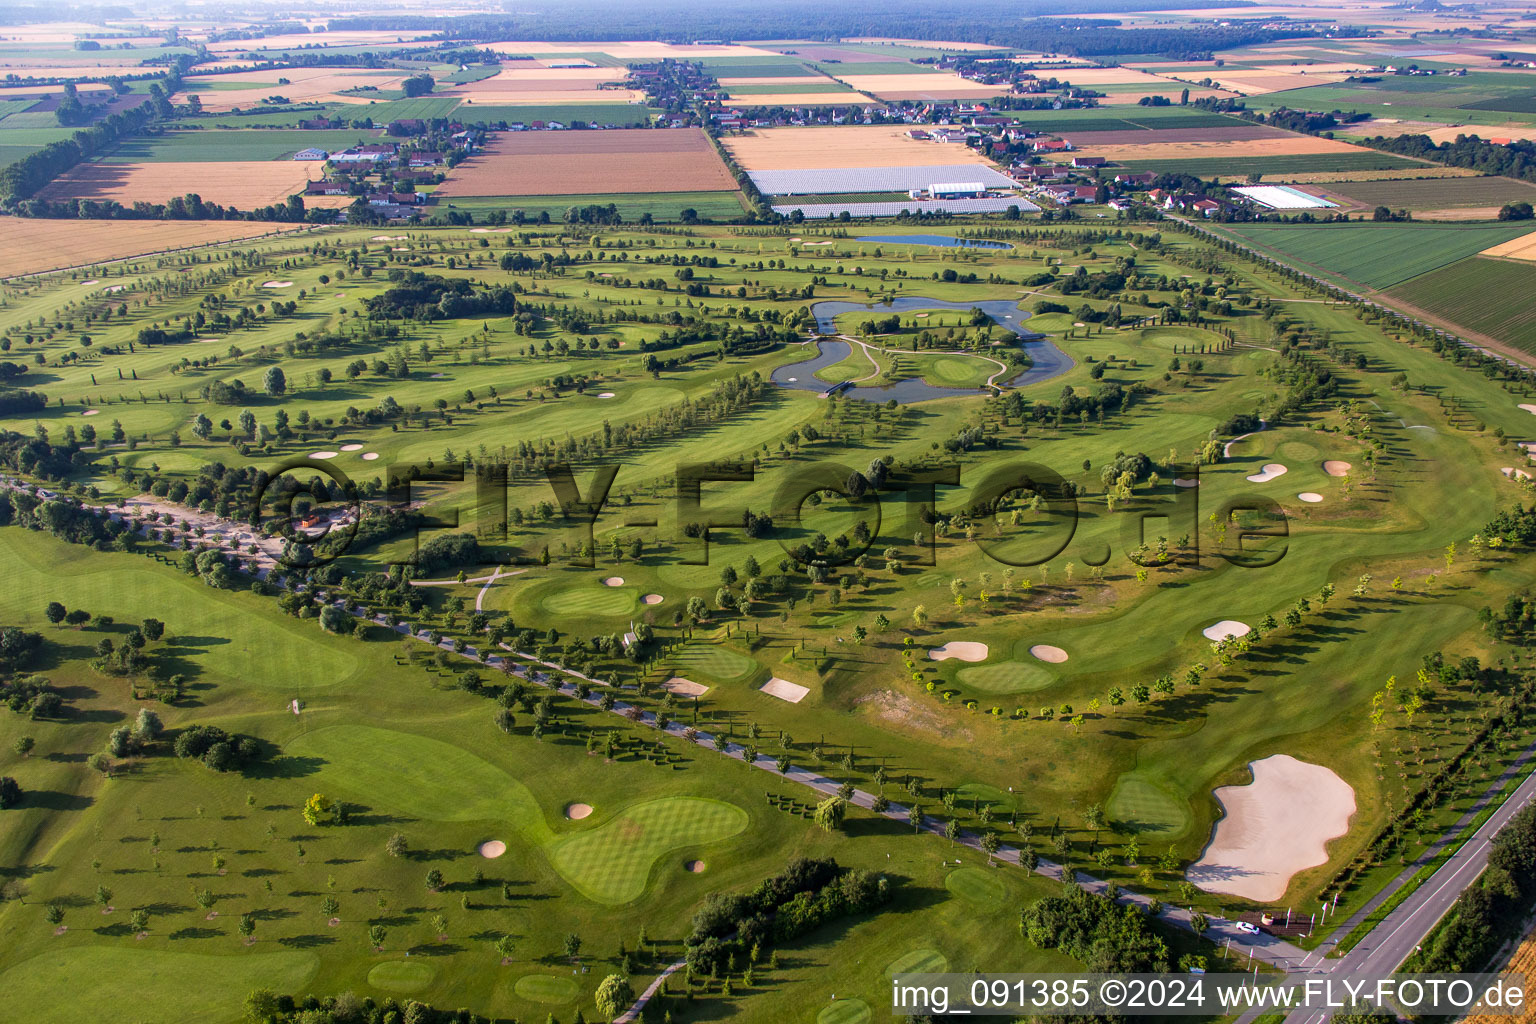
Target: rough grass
(100, 982)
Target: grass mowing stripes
(124, 983)
(712, 661)
(1006, 677)
(978, 885)
(611, 863)
(595, 600)
(1492, 297)
(1377, 255)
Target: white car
(1250, 928)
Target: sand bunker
(277, 284)
(370, 456)
(651, 599)
(1310, 497)
(1269, 472)
(492, 849)
(1528, 407)
(91, 412)
(389, 238)
(1045, 652)
(1518, 474)
(323, 455)
(784, 690)
(91, 281)
(818, 243)
(1179, 481)
(351, 447)
(1272, 828)
(685, 687)
(1226, 628)
(1333, 467)
(605, 394)
(577, 811)
(964, 650)
(696, 866)
(614, 581)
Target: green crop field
(517, 792)
(1496, 298)
(1436, 193)
(721, 68)
(259, 144)
(813, 85)
(1378, 255)
(1272, 166)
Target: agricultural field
(583, 163)
(1483, 195)
(1495, 298)
(238, 146)
(1276, 167)
(1376, 255)
(248, 88)
(785, 149)
(1209, 146)
(240, 183)
(611, 115)
(666, 207)
(35, 246)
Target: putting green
(845, 1011)
(713, 661)
(1000, 800)
(1145, 807)
(918, 961)
(546, 988)
(1006, 677)
(417, 776)
(593, 600)
(402, 976)
(611, 863)
(105, 983)
(978, 885)
(957, 371)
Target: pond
(948, 241)
(1046, 360)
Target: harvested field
(1173, 92)
(921, 87)
(1277, 144)
(1430, 194)
(1258, 83)
(1416, 172)
(243, 184)
(806, 79)
(535, 97)
(1093, 76)
(624, 51)
(586, 163)
(33, 246)
(791, 149)
(244, 89)
(1140, 136)
(1522, 248)
(554, 81)
(790, 99)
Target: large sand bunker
(492, 849)
(1333, 467)
(1272, 828)
(964, 650)
(1045, 652)
(1310, 497)
(785, 690)
(576, 812)
(1528, 407)
(614, 581)
(685, 687)
(1226, 628)
(1179, 481)
(1269, 472)
(651, 599)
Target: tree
(395, 845)
(952, 829)
(376, 935)
(23, 745)
(247, 926)
(261, 1006)
(55, 612)
(434, 880)
(572, 946)
(1198, 923)
(139, 920)
(10, 793)
(831, 812)
(321, 810)
(54, 914)
(275, 383)
(614, 996)
(505, 947)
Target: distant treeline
(993, 22)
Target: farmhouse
(1052, 145)
(324, 188)
(1135, 180)
(311, 154)
(425, 158)
(1088, 161)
